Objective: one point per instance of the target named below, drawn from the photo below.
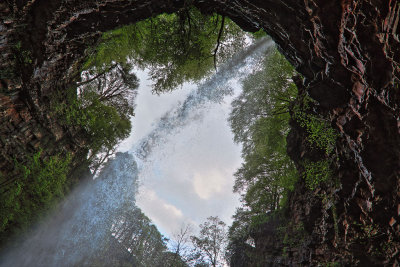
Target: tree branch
(221, 29)
(97, 76)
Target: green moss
(259, 34)
(316, 172)
(293, 236)
(332, 264)
(23, 56)
(284, 251)
(320, 133)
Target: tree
(110, 92)
(241, 245)
(176, 48)
(210, 244)
(133, 232)
(100, 126)
(259, 121)
(116, 86)
(179, 243)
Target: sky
(189, 176)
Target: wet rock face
(348, 52)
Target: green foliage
(47, 177)
(175, 47)
(292, 235)
(259, 34)
(22, 56)
(239, 229)
(320, 133)
(116, 86)
(41, 183)
(210, 243)
(132, 234)
(266, 93)
(258, 219)
(316, 172)
(333, 264)
(9, 205)
(102, 123)
(259, 120)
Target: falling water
(80, 224)
(213, 90)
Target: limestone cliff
(348, 52)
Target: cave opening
(348, 54)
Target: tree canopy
(260, 122)
(175, 48)
(210, 243)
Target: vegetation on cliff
(42, 182)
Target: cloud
(209, 183)
(163, 214)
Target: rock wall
(348, 52)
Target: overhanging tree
(175, 48)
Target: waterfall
(213, 90)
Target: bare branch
(97, 76)
(221, 29)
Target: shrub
(320, 133)
(316, 172)
(40, 184)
